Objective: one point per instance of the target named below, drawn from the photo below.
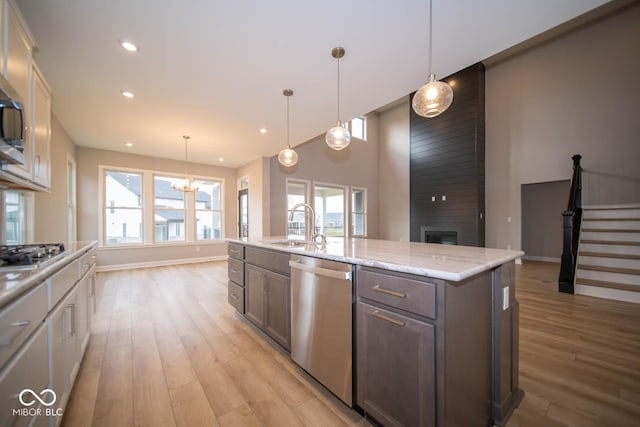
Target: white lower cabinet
(27, 370)
(64, 355)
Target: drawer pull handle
(18, 325)
(234, 296)
(233, 271)
(388, 319)
(388, 292)
(234, 251)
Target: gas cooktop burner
(28, 255)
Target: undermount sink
(292, 243)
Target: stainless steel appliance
(11, 125)
(321, 322)
(29, 256)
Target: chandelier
(185, 185)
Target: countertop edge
(40, 275)
(420, 271)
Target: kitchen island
(435, 327)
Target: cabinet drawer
(271, 260)
(415, 296)
(86, 262)
(29, 369)
(236, 271)
(236, 250)
(19, 319)
(61, 282)
(236, 297)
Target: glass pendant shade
(288, 157)
(338, 138)
(433, 98)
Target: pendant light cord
(338, 97)
(430, 54)
(288, 127)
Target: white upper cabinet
(41, 134)
(20, 70)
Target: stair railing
(572, 219)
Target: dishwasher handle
(334, 274)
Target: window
(169, 210)
(297, 192)
(330, 210)
(209, 210)
(358, 212)
(358, 128)
(15, 217)
(123, 208)
(166, 215)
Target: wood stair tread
(611, 230)
(610, 219)
(608, 255)
(610, 285)
(609, 242)
(605, 208)
(619, 270)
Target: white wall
(50, 209)
(258, 172)
(393, 173)
(356, 165)
(575, 95)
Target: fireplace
(438, 235)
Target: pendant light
(288, 157)
(186, 186)
(338, 137)
(434, 97)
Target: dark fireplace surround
(446, 170)
(438, 235)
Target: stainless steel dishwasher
(321, 322)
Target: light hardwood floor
(167, 349)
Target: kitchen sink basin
(291, 243)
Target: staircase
(609, 253)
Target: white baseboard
(162, 263)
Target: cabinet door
(255, 282)
(82, 318)
(396, 367)
(18, 72)
(63, 350)
(41, 130)
(277, 322)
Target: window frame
(352, 211)
(148, 209)
(346, 226)
(350, 127)
(307, 199)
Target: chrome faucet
(310, 232)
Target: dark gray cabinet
(424, 349)
(235, 270)
(396, 359)
(268, 303)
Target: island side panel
(466, 360)
(506, 394)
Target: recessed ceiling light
(127, 94)
(264, 130)
(129, 46)
(221, 159)
(128, 144)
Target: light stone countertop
(14, 283)
(447, 262)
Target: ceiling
(215, 69)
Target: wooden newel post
(577, 169)
(566, 263)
